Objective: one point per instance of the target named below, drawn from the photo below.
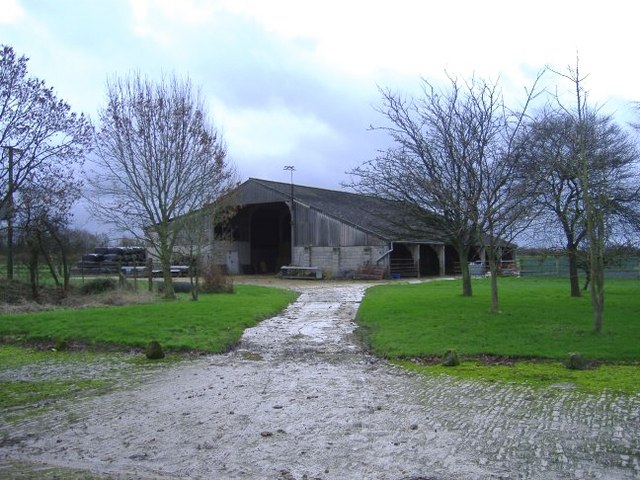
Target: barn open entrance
(270, 237)
(429, 261)
(402, 262)
(417, 259)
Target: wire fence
(558, 266)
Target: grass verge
(617, 378)
(538, 321)
(213, 324)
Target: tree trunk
(463, 257)
(150, 274)
(33, 272)
(165, 264)
(164, 255)
(169, 292)
(66, 272)
(596, 266)
(587, 279)
(574, 280)
(493, 266)
(193, 276)
(597, 300)
(52, 268)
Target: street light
(292, 169)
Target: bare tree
(201, 231)
(604, 168)
(195, 242)
(553, 158)
(42, 220)
(448, 146)
(561, 146)
(506, 206)
(39, 134)
(159, 157)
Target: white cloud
(276, 132)
(163, 21)
(10, 11)
(365, 39)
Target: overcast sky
(296, 82)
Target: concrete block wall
(339, 261)
(222, 249)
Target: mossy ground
(616, 378)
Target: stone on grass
(154, 351)
(575, 361)
(450, 359)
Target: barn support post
(415, 256)
(440, 250)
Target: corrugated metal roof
(387, 219)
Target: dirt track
(299, 399)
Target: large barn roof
(384, 218)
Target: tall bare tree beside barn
(449, 145)
(159, 157)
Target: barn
(341, 234)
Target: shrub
(215, 280)
(98, 285)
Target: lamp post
(292, 169)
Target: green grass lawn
(538, 320)
(212, 324)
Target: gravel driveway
(299, 399)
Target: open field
(538, 323)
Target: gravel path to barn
(299, 399)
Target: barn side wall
(340, 262)
(335, 262)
